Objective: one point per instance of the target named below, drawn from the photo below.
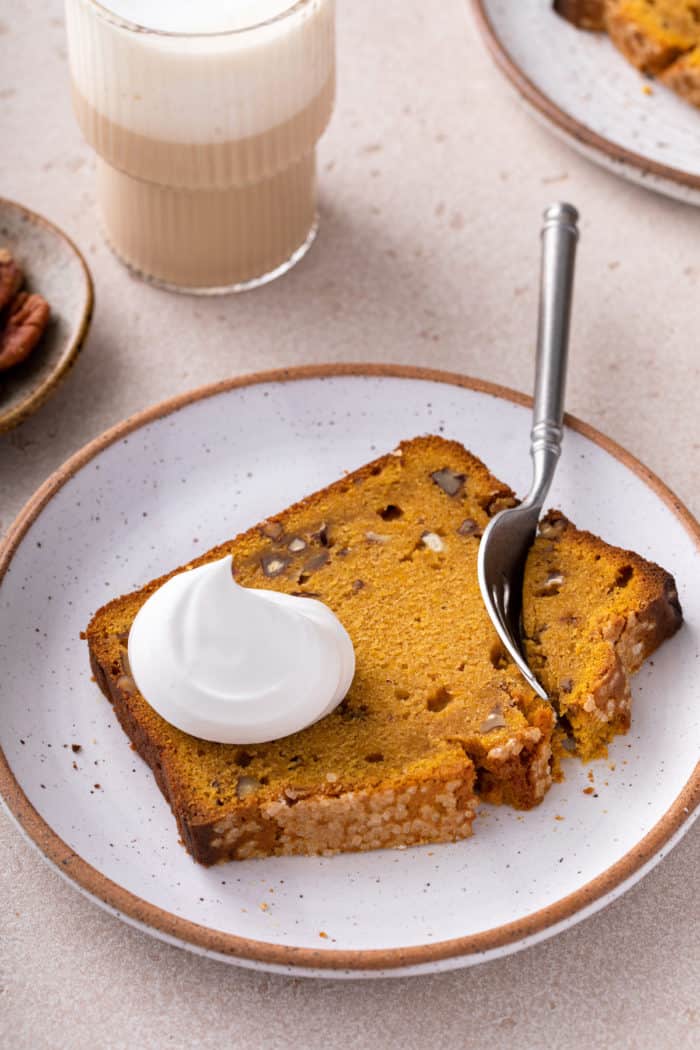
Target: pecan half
(10, 278)
(24, 325)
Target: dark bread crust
(145, 746)
(584, 14)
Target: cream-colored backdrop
(432, 180)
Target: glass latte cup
(205, 119)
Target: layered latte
(205, 124)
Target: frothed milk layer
(200, 88)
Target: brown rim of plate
(41, 392)
(97, 885)
(561, 119)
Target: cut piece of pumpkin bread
(436, 712)
(592, 614)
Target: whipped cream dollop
(234, 664)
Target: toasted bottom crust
(405, 813)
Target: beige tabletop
(432, 180)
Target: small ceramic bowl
(54, 268)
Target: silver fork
(509, 535)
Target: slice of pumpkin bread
(436, 713)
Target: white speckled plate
(163, 487)
(593, 98)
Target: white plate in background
(588, 94)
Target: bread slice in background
(652, 34)
(660, 38)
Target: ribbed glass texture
(207, 143)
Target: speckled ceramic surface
(589, 94)
(54, 268)
(155, 493)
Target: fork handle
(559, 239)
